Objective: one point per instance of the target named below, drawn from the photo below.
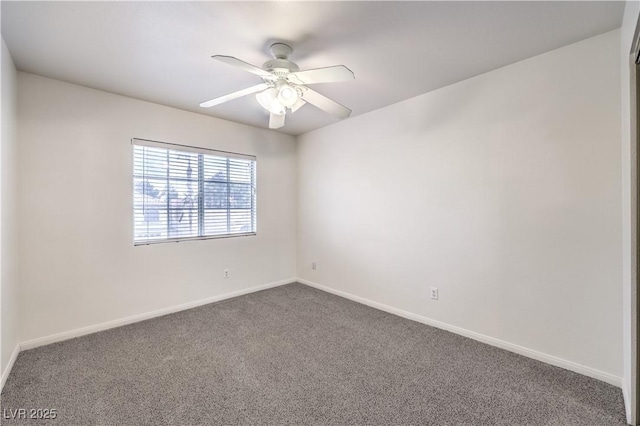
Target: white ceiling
(160, 51)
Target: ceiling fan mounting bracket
(280, 50)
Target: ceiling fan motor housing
(280, 65)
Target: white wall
(78, 266)
(630, 19)
(8, 183)
(502, 190)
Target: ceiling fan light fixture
(268, 99)
(287, 95)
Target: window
(181, 193)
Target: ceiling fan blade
(299, 104)
(234, 95)
(325, 104)
(242, 64)
(276, 121)
(323, 75)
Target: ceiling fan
(284, 86)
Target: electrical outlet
(226, 273)
(434, 293)
(313, 266)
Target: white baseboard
(627, 402)
(7, 370)
(530, 353)
(549, 359)
(58, 337)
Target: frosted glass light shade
(287, 95)
(268, 99)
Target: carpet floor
(296, 355)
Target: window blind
(182, 192)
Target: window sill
(179, 240)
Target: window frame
(228, 155)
